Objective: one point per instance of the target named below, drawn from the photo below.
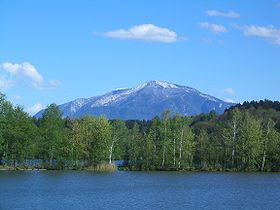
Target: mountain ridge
(144, 101)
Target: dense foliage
(245, 138)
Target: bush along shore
(245, 138)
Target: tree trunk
(163, 156)
(155, 149)
(224, 156)
(264, 150)
(164, 147)
(181, 147)
(72, 154)
(111, 152)
(233, 144)
(263, 160)
(174, 152)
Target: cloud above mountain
(5, 83)
(228, 91)
(229, 100)
(144, 32)
(23, 74)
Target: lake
(138, 190)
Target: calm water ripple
(138, 190)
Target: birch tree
(270, 145)
(118, 135)
(52, 127)
(165, 134)
(234, 126)
(249, 142)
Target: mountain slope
(144, 101)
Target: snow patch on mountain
(110, 98)
(116, 96)
(207, 97)
(77, 104)
(122, 93)
(161, 84)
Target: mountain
(144, 101)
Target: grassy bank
(102, 167)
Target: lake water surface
(138, 190)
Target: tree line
(245, 138)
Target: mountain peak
(162, 84)
(144, 101)
(151, 83)
(156, 83)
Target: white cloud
(269, 33)
(35, 108)
(228, 91)
(144, 32)
(24, 74)
(5, 83)
(229, 100)
(214, 28)
(216, 13)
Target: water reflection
(137, 190)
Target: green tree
(270, 146)
(17, 134)
(186, 149)
(132, 151)
(53, 135)
(6, 124)
(2, 125)
(23, 135)
(249, 143)
(119, 133)
(202, 145)
(165, 134)
(234, 127)
(183, 142)
(97, 132)
(78, 145)
(146, 147)
(155, 134)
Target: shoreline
(97, 168)
(127, 170)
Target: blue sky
(57, 51)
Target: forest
(245, 138)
